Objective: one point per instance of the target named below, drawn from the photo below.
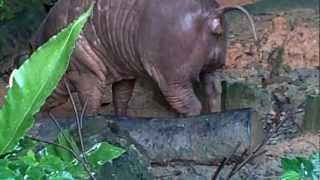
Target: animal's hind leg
(121, 95)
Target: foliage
(97, 155)
(34, 81)
(315, 159)
(27, 163)
(300, 168)
(9, 9)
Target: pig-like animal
(171, 41)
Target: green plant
(52, 162)
(300, 168)
(32, 83)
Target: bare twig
(77, 116)
(84, 108)
(83, 160)
(224, 161)
(60, 129)
(74, 154)
(72, 99)
(78, 121)
(236, 165)
(217, 172)
(254, 153)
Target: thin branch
(217, 172)
(78, 121)
(224, 161)
(80, 125)
(74, 154)
(82, 160)
(83, 112)
(77, 116)
(60, 129)
(72, 99)
(233, 170)
(258, 148)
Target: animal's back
(110, 36)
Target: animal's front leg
(90, 90)
(121, 94)
(57, 98)
(182, 98)
(212, 93)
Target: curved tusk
(225, 9)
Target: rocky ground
(276, 78)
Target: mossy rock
(311, 122)
(280, 5)
(244, 95)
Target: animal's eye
(215, 23)
(215, 26)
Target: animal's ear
(215, 25)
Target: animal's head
(216, 18)
(217, 32)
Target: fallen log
(204, 139)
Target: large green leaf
(291, 164)
(35, 81)
(297, 168)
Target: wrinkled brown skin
(169, 40)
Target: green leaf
(315, 159)
(34, 82)
(6, 173)
(291, 164)
(65, 139)
(24, 146)
(306, 166)
(30, 159)
(18, 166)
(103, 152)
(78, 171)
(98, 155)
(291, 175)
(51, 163)
(61, 175)
(34, 173)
